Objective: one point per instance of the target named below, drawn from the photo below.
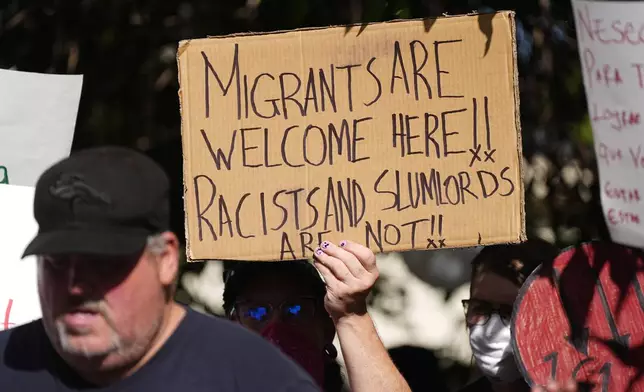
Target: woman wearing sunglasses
(289, 304)
(497, 275)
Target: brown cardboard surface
(292, 138)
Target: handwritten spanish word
(614, 155)
(617, 119)
(604, 74)
(618, 217)
(610, 32)
(627, 195)
(608, 75)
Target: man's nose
(77, 278)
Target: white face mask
(492, 350)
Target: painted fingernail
(325, 244)
(318, 252)
(343, 244)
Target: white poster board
(37, 119)
(19, 303)
(610, 36)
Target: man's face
(107, 308)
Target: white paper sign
(19, 303)
(610, 36)
(37, 119)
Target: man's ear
(169, 259)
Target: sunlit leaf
(583, 132)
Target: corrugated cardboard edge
(517, 119)
(183, 46)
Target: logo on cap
(73, 188)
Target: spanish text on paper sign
(614, 81)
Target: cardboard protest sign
(581, 316)
(37, 119)
(608, 34)
(401, 135)
(19, 303)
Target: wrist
(353, 321)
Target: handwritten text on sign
(394, 136)
(609, 34)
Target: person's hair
(237, 275)
(156, 245)
(514, 262)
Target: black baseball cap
(100, 201)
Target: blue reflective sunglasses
(255, 314)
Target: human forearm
(350, 272)
(368, 364)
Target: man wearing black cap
(107, 267)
